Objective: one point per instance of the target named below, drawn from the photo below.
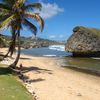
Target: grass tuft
(10, 88)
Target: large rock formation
(84, 42)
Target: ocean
(77, 63)
(51, 51)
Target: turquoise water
(88, 64)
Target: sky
(61, 16)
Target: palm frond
(9, 3)
(18, 3)
(4, 11)
(30, 26)
(4, 6)
(6, 21)
(34, 5)
(37, 17)
(3, 17)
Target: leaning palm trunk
(18, 54)
(12, 47)
(13, 43)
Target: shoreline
(47, 80)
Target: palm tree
(14, 14)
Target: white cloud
(52, 36)
(61, 36)
(49, 10)
(56, 36)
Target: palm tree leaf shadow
(24, 58)
(26, 79)
(36, 69)
(36, 80)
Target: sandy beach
(50, 81)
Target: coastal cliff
(84, 42)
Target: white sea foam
(57, 47)
(50, 55)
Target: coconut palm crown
(14, 14)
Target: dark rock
(84, 42)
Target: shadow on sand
(26, 79)
(36, 80)
(24, 58)
(36, 69)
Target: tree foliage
(14, 14)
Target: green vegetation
(10, 88)
(27, 42)
(13, 15)
(90, 30)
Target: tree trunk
(12, 45)
(11, 49)
(18, 54)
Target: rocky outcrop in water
(84, 42)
